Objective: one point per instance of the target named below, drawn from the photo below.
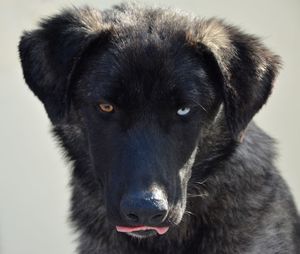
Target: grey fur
(235, 204)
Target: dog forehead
(142, 68)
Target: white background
(34, 193)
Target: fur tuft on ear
(245, 67)
(49, 53)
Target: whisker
(189, 213)
(171, 222)
(202, 182)
(198, 195)
(200, 105)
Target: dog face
(143, 144)
(141, 97)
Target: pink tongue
(159, 230)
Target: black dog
(153, 108)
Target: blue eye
(183, 111)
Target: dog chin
(142, 234)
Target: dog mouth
(142, 231)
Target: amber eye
(106, 107)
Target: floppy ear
(245, 68)
(50, 53)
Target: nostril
(158, 218)
(144, 208)
(132, 217)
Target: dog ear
(50, 53)
(244, 67)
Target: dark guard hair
(235, 201)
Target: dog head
(132, 93)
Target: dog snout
(144, 208)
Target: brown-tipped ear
(245, 68)
(49, 53)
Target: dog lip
(159, 230)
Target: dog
(154, 109)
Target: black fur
(213, 168)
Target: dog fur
(233, 198)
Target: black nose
(144, 208)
